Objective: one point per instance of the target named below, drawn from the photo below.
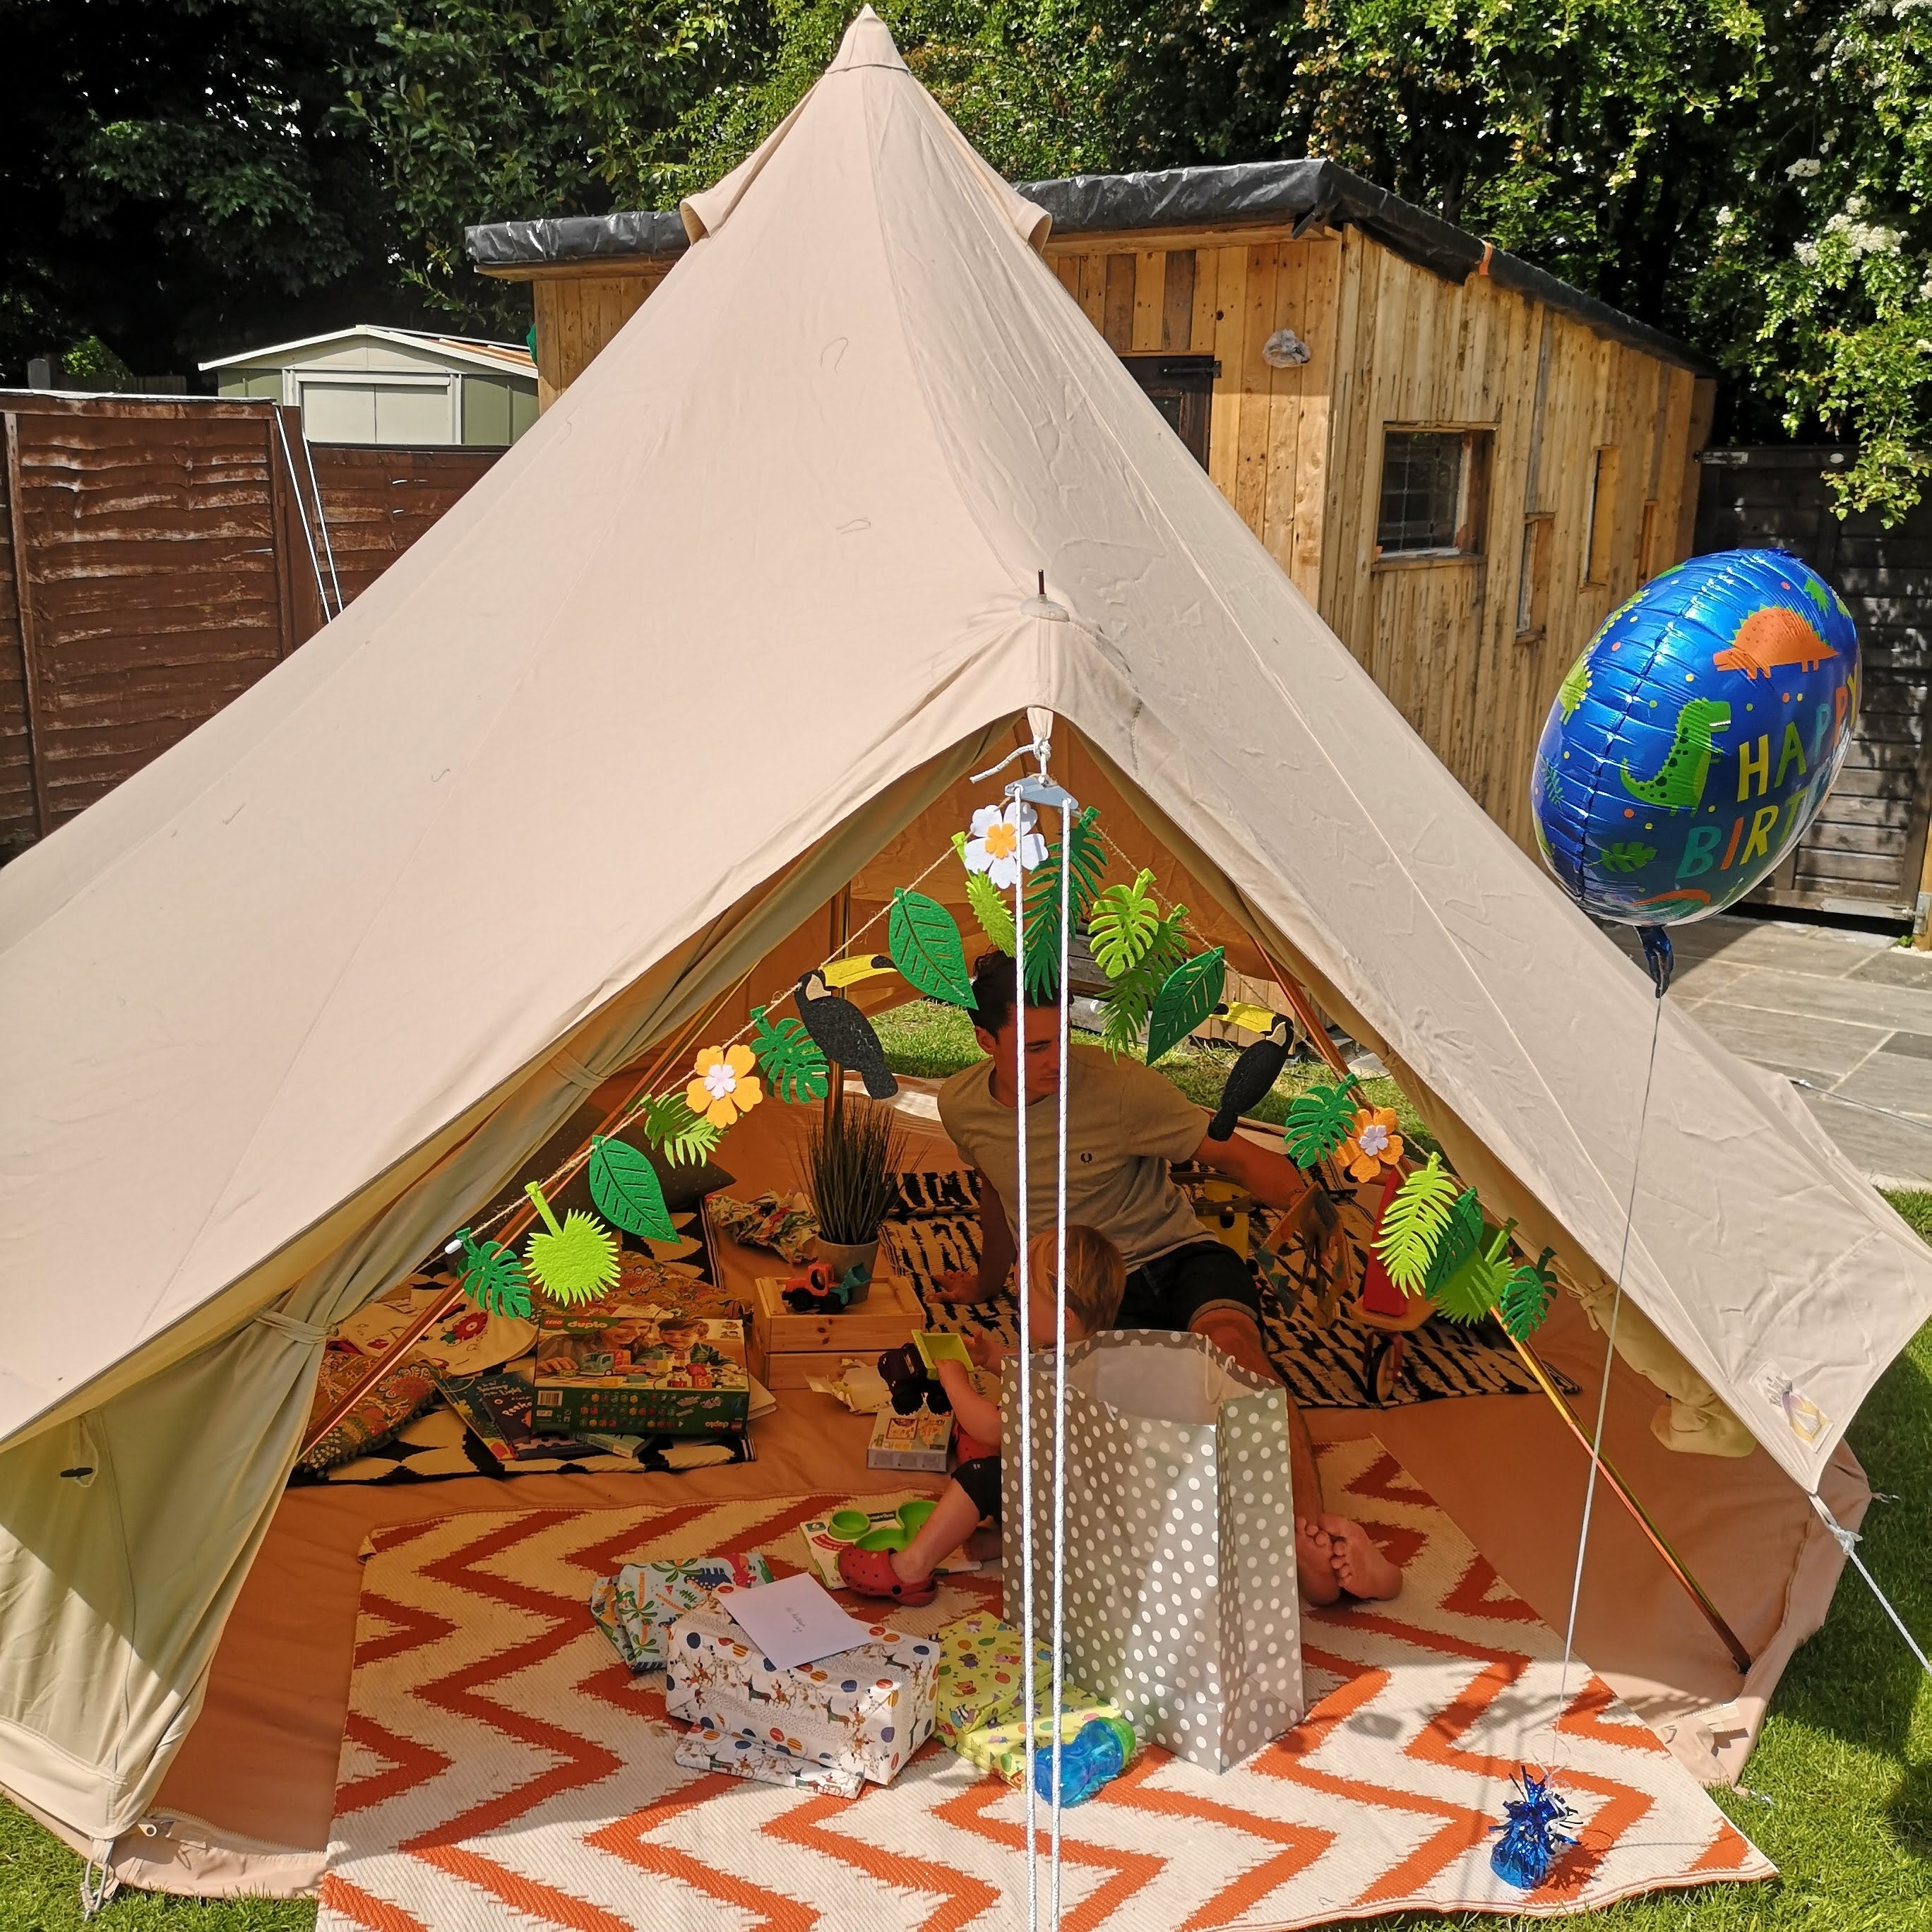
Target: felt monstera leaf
(926, 948)
(1413, 1223)
(627, 1191)
(1188, 995)
(493, 1276)
(791, 1060)
(1527, 1295)
(991, 911)
(577, 1259)
(1122, 927)
(1319, 1121)
(1467, 1288)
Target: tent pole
(1318, 1034)
(1675, 1564)
(512, 1228)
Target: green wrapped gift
(980, 1683)
(1002, 1749)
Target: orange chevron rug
(499, 1766)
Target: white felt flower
(1002, 843)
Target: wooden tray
(887, 1317)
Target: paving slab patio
(1847, 1015)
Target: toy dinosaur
(1773, 635)
(1678, 782)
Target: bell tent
(854, 496)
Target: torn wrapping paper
(864, 1711)
(634, 1608)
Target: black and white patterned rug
(1326, 1364)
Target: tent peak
(869, 42)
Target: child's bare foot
(1360, 1567)
(1314, 1561)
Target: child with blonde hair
(1096, 1279)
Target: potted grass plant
(852, 1159)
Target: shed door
(1181, 387)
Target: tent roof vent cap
(1041, 605)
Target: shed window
(1433, 490)
(1182, 387)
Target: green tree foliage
(178, 181)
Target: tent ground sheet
(498, 1757)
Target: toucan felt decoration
(1252, 1077)
(843, 1033)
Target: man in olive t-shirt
(1125, 1125)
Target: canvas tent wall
(281, 1008)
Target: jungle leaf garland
(1086, 860)
(1460, 1237)
(577, 1259)
(493, 1276)
(1132, 996)
(794, 1064)
(987, 904)
(1319, 1121)
(1187, 996)
(626, 1187)
(1123, 924)
(1413, 1223)
(1527, 1295)
(684, 1138)
(926, 948)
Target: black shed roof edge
(1244, 192)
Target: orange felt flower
(725, 1085)
(1372, 1144)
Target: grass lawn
(1845, 1761)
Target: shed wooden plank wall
(1298, 450)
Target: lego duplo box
(863, 1711)
(980, 1682)
(640, 1370)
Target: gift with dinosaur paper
(634, 1608)
(863, 1711)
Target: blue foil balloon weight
(1533, 1838)
(1693, 742)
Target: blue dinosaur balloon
(1694, 740)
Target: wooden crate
(786, 1348)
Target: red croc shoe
(870, 1572)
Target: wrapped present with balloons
(1692, 743)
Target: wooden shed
(1463, 462)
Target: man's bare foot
(1360, 1567)
(1314, 1561)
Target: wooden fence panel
(155, 561)
(1866, 851)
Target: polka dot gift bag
(1180, 1600)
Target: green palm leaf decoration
(684, 1138)
(626, 1187)
(925, 946)
(1123, 925)
(1413, 1223)
(991, 911)
(1086, 862)
(576, 1260)
(788, 1057)
(1527, 1295)
(1319, 1121)
(1187, 996)
(493, 1276)
(1132, 996)
(1460, 1239)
